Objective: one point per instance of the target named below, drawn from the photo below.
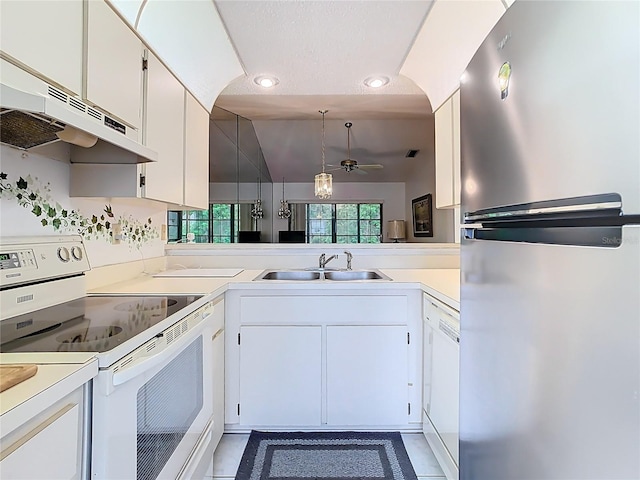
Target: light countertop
(51, 382)
(444, 284)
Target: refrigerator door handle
(600, 236)
(602, 205)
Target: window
(218, 224)
(344, 223)
(325, 223)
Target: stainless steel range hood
(28, 120)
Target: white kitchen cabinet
(164, 133)
(367, 375)
(280, 375)
(113, 75)
(44, 421)
(50, 450)
(447, 151)
(345, 360)
(196, 154)
(441, 383)
(45, 38)
(177, 128)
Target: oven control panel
(17, 259)
(32, 259)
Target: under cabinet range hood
(29, 120)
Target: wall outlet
(116, 234)
(163, 232)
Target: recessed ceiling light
(376, 82)
(266, 81)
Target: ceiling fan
(351, 165)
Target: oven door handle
(159, 357)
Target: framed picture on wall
(421, 209)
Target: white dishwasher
(441, 392)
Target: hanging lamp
(323, 181)
(284, 211)
(256, 211)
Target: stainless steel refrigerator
(550, 281)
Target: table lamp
(395, 230)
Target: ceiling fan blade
(371, 166)
(360, 172)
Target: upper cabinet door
(447, 134)
(196, 154)
(164, 131)
(113, 80)
(45, 37)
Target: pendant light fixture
(284, 211)
(323, 181)
(256, 211)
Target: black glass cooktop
(88, 324)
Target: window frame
(334, 222)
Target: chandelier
(256, 210)
(323, 181)
(284, 211)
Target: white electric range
(152, 398)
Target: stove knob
(63, 254)
(76, 253)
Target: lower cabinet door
(49, 451)
(367, 375)
(280, 375)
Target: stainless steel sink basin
(346, 275)
(303, 275)
(332, 275)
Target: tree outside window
(344, 223)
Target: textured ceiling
(321, 52)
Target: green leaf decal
(22, 183)
(94, 219)
(33, 196)
(56, 223)
(51, 212)
(37, 211)
(44, 222)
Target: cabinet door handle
(217, 334)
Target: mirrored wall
(240, 175)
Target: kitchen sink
(346, 275)
(322, 274)
(303, 275)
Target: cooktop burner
(88, 324)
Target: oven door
(152, 412)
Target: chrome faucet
(349, 257)
(322, 261)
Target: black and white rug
(325, 456)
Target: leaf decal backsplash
(31, 194)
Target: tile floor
(227, 456)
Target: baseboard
(235, 428)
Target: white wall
(25, 211)
(423, 181)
